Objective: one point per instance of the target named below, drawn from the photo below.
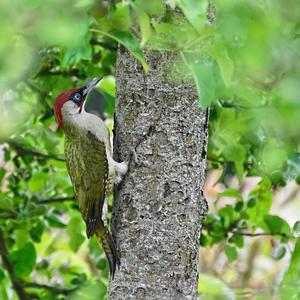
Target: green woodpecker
(89, 162)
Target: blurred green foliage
(243, 57)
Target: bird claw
(120, 170)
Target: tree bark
(159, 207)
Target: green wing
(88, 169)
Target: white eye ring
(77, 96)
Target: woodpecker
(90, 164)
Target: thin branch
(17, 284)
(56, 290)
(22, 150)
(53, 200)
(8, 214)
(6, 217)
(262, 234)
(234, 230)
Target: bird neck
(74, 122)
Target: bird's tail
(109, 248)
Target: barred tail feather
(109, 248)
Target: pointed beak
(90, 85)
(86, 89)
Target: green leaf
(36, 232)
(217, 232)
(91, 290)
(37, 182)
(145, 27)
(23, 260)
(274, 156)
(2, 173)
(2, 275)
(228, 214)
(205, 240)
(94, 248)
(74, 230)
(102, 264)
(109, 106)
(239, 206)
(252, 201)
(203, 74)
(219, 53)
(128, 41)
(195, 12)
(108, 85)
(83, 4)
(296, 228)
(75, 55)
(293, 168)
(54, 221)
(279, 253)
(238, 240)
(291, 279)
(212, 287)
(236, 154)
(275, 224)
(169, 36)
(6, 202)
(121, 19)
(152, 8)
(230, 192)
(80, 279)
(262, 203)
(21, 236)
(231, 253)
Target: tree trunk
(159, 207)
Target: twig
(17, 284)
(262, 234)
(53, 200)
(56, 290)
(234, 230)
(9, 214)
(20, 149)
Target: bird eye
(77, 97)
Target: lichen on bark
(159, 207)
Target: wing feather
(88, 168)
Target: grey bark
(159, 207)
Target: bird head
(72, 101)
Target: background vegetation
(242, 56)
